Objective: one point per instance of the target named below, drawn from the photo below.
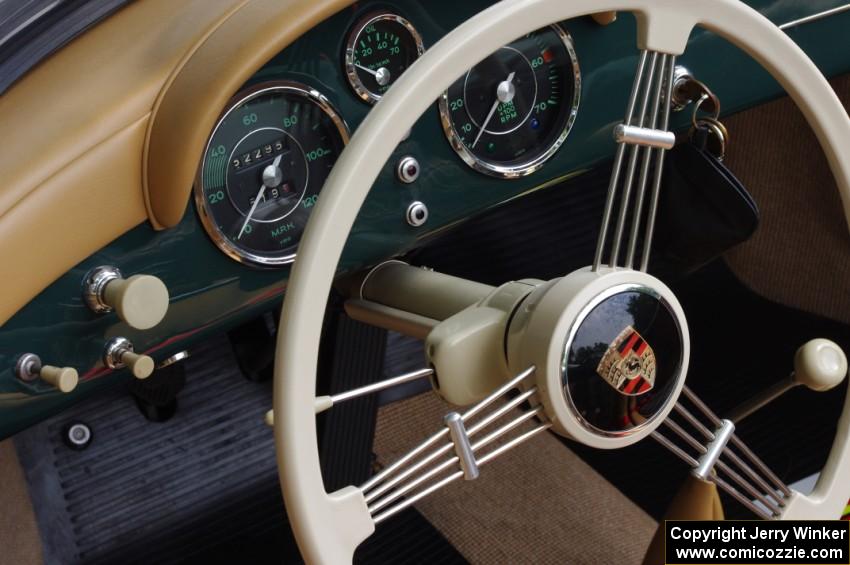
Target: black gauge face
(264, 166)
(380, 48)
(511, 112)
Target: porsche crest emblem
(629, 364)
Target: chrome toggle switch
(120, 354)
(30, 368)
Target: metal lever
(819, 364)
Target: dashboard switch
(63, 378)
(141, 300)
(417, 214)
(407, 169)
(29, 368)
(120, 354)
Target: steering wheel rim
(329, 526)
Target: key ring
(706, 95)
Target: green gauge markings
(379, 49)
(526, 129)
(257, 183)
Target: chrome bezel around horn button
(598, 300)
(539, 334)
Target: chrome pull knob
(120, 354)
(29, 368)
(141, 300)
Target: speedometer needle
(504, 94)
(382, 75)
(260, 194)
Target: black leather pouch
(704, 210)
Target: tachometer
(380, 48)
(263, 168)
(512, 111)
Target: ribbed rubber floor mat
(201, 487)
(144, 491)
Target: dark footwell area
(201, 487)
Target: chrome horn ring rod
(383, 491)
(641, 132)
(763, 492)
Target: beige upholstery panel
(19, 539)
(76, 125)
(539, 503)
(72, 166)
(800, 256)
(696, 500)
(198, 91)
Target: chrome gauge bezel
(210, 226)
(351, 71)
(532, 165)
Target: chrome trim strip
(814, 17)
(463, 448)
(714, 450)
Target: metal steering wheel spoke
(329, 526)
(455, 451)
(646, 134)
(716, 454)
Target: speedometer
(263, 168)
(512, 111)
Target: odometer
(512, 111)
(263, 168)
(380, 48)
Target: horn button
(611, 349)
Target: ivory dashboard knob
(141, 300)
(141, 366)
(120, 354)
(820, 364)
(63, 378)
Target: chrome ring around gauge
(380, 47)
(263, 167)
(512, 111)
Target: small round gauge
(379, 49)
(263, 168)
(512, 111)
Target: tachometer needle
(382, 75)
(257, 199)
(504, 93)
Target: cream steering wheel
(329, 526)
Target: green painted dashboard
(211, 293)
